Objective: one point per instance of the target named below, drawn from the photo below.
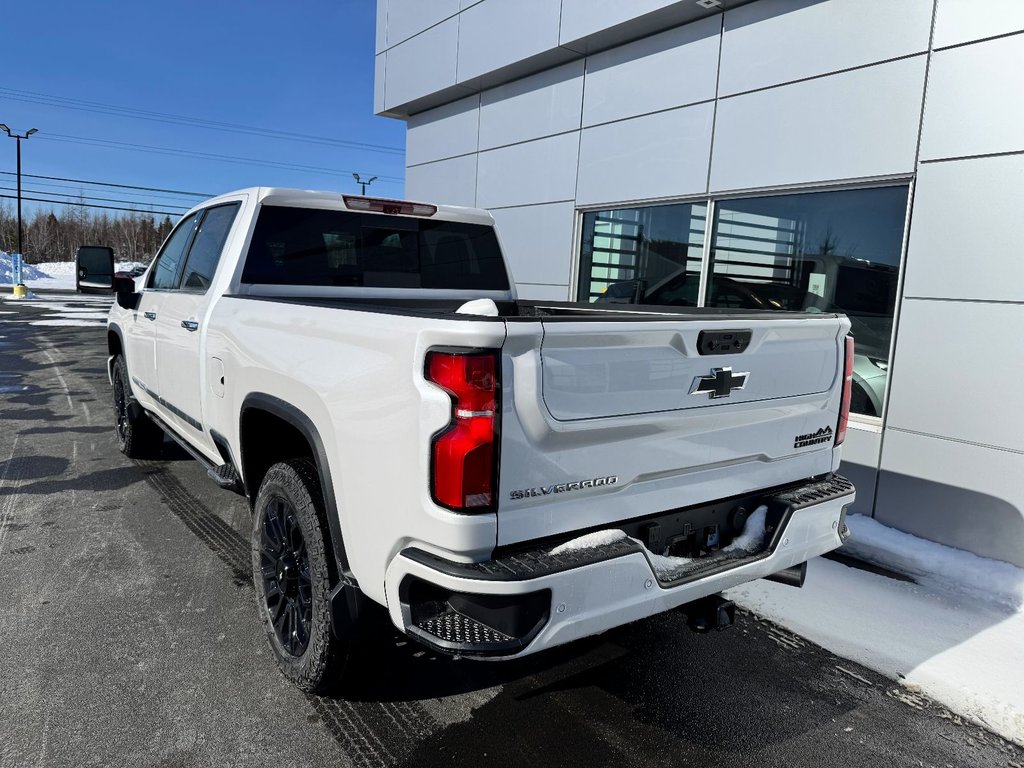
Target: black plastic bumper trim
(534, 560)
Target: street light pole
(18, 138)
(363, 184)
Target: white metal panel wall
(499, 32)
(580, 18)
(446, 131)
(452, 181)
(953, 451)
(778, 41)
(963, 21)
(540, 171)
(656, 155)
(974, 100)
(854, 124)
(406, 18)
(965, 242)
(422, 64)
(964, 495)
(534, 107)
(535, 238)
(668, 70)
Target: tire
(138, 436)
(292, 567)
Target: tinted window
(817, 252)
(165, 272)
(207, 246)
(649, 255)
(302, 246)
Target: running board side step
(224, 475)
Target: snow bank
(29, 272)
(59, 275)
(934, 564)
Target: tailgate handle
(728, 342)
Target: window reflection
(643, 255)
(817, 252)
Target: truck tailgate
(594, 371)
(613, 419)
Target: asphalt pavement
(129, 635)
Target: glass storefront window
(809, 252)
(817, 252)
(647, 255)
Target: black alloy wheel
(287, 582)
(294, 571)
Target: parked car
(502, 476)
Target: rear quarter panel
(358, 377)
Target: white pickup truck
(503, 476)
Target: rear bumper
(568, 597)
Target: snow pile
(934, 564)
(963, 652)
(29, 272)
(747, 543)
(589, 541)
(750, 541)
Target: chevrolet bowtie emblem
(720, 383)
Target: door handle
(190, 325)
(149, 315)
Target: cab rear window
(309, 246)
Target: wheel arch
(115, 347)
(256, 408)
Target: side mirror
(95, 269)
(124, 288)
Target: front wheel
(292, 575)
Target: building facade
(865, 156)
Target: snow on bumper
(598, 596)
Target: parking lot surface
(130, 635)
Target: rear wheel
(138, 437)
(292, 571)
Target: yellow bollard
(20, 291)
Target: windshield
(306, 246)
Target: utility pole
(18, 138)
(363, 184)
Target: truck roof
(336, 200)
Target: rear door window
(207, 246)
(304, 246)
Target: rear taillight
(464, 467)
(844, 409)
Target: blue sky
(298, 67)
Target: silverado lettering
(576, 485)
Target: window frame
(711, 201)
